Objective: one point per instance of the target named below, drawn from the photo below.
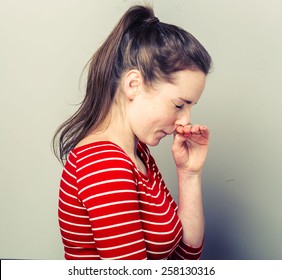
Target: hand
(190, 147)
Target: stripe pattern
(108, 209)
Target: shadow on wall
(222, 235)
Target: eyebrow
(187, 101)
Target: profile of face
(155, 112)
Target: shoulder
(100, 154)
(103, 167)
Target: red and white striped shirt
(108, 209)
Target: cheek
(164, 117)
(169, 117)
(151, 118)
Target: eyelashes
(179, 106)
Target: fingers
(179, 140)
(190, 129)
(184, 130)
(190, 135)
(204, 131)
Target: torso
(100, 182)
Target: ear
(132, 83)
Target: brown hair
(139, 41)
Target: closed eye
(179, 106)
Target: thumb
(178, 142)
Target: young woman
(113, 203)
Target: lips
(168, 133)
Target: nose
(183, 118)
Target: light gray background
(44, 46)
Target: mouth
(168, 133)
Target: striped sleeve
(185, 252)
(107, 189)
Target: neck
(117, 130)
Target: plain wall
(44, 46)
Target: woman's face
(156, 113)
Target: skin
(167, 108)
(148, 114)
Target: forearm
(190, 208)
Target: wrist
(189, 179)
(188, 173)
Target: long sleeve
(186, 252)
(110, 197)
(98, 209)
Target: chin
(153, 142)
(154, 139)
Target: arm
(190, 208)
(110, 197)
(189, 149)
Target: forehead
(186, 85)
(190, 80)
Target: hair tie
(152, 20)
